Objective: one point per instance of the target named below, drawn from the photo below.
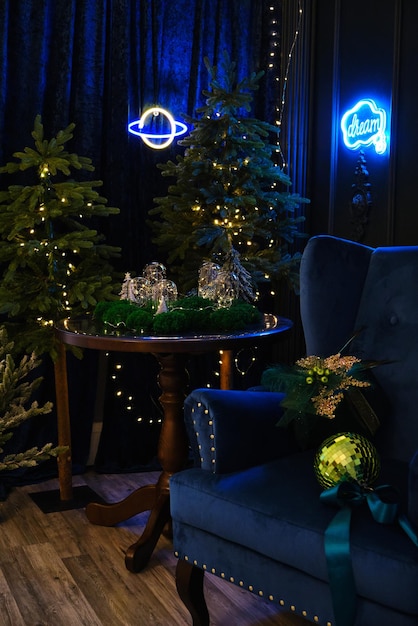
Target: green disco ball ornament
(346, 456)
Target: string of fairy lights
(49, 247)
(274, 67)
(245, 358)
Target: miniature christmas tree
(236, 271)
(229, 199)
(15, 394)
(52, 262)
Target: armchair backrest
(346, 286)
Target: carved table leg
(172, 454)
(226, 371)
(66, 497)
(63, 425)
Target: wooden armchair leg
(189, 583)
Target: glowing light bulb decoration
(157, 140)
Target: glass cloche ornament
(163, 292)
(226, 288)
(154, 272)
(208, 274)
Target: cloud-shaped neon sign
(365, 125)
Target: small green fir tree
(15, 406)
(52, 262)
(229, 199)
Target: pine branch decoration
(29, 458)
(15, 393)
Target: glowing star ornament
(169, 128)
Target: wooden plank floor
(57, 569)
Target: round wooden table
(172, 353)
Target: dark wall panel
(405, 225)
(364, 49)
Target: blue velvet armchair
(250, 511)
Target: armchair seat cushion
(274, 510)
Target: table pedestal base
(149, 498)
(172, 454)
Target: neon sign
(157, 140)
(365, 125)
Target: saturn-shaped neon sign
(157, 128)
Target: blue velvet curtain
(99, 63)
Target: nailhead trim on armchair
(260, 593)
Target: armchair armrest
(233, 430)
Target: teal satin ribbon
(383, 503)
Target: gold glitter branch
(333, 374)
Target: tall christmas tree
(52, 262)
(229, 199)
